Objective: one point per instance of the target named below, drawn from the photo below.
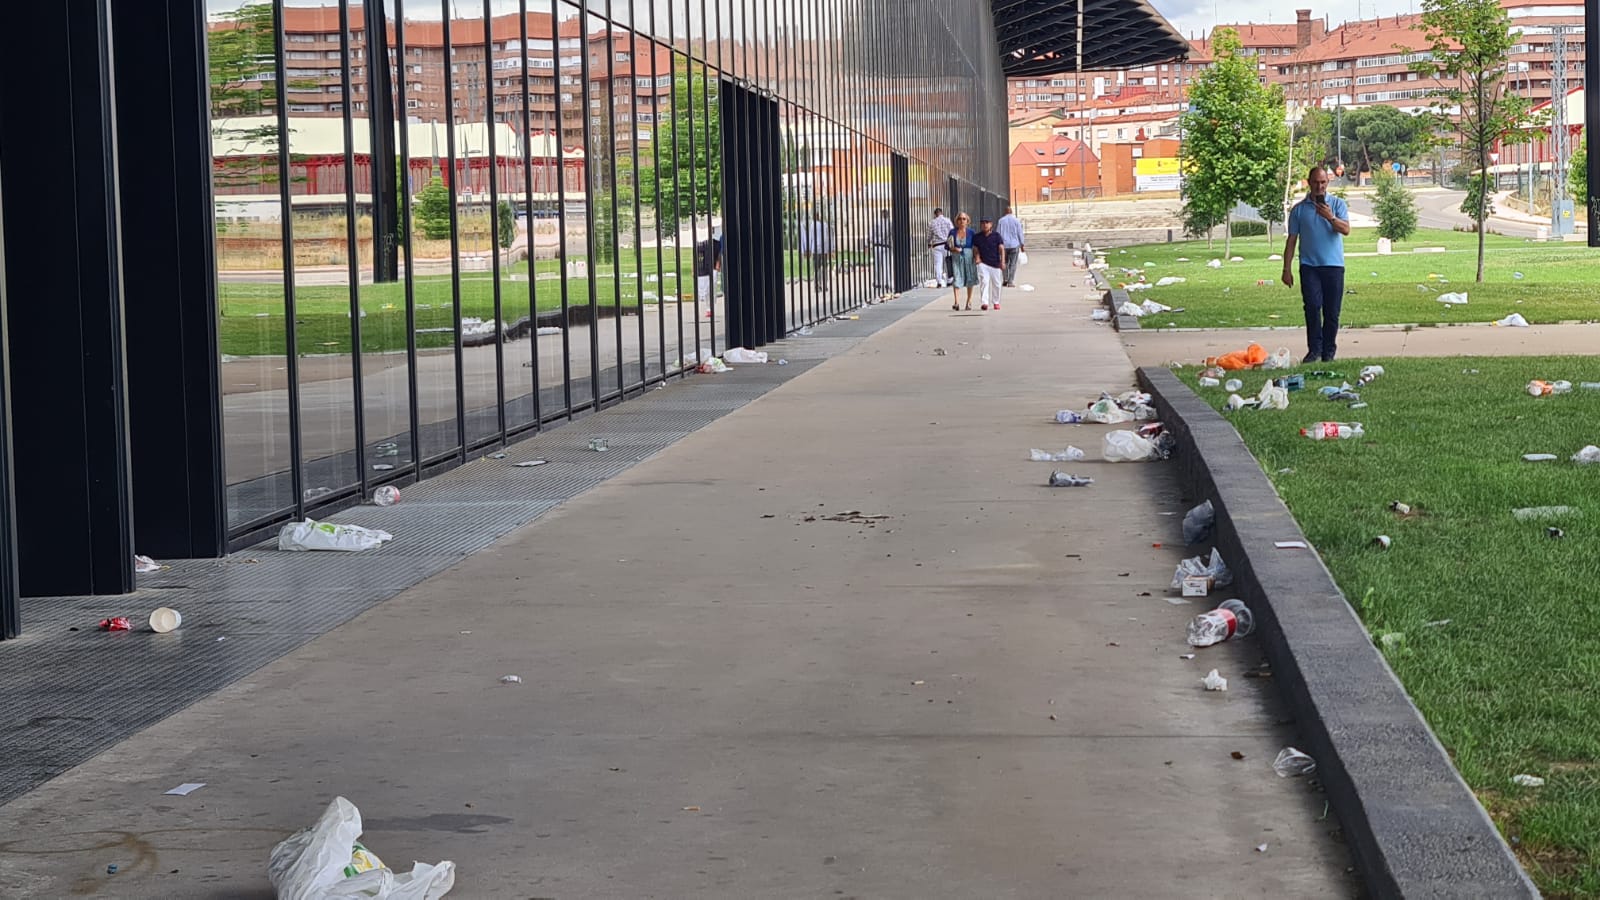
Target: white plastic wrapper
(1171, 280)
(1292, 762)
(314, 535)
(1129, 308)
(1071, 454)
(312, 865)
(1214, 682)
(1272, 397)
(745, 356)
(1589, 454)
(1453, 298)
(1281, 358)
(1197, 565)
(1105, 411)
(1515, 320)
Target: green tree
(1314, 137)
(432, 210)
(1395, 208)
(239, 56)
(1235, 146)
(1469, 42)
(508, 223)
(698, 171)
(1578, 171)
(1476, 206)
(1376, 135)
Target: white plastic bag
(1272, 397)
(1515, 320)
(1151, 307)
(1292, 762)
(1197, 523)
(1197, 565)
(1214, 264)
(736, 355)
(1281, 358)
(314, 535)
(1128, 446)
(1071, 454)
(1586, 456)
(1022, 259)
(1171, 280)
(311, 865)
(1106, 412)
(1100, 315)
(1453, 298)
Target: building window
(622, 57)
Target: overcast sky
(1195, 17)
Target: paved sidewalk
(1155, 348)
(720, 698)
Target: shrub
(1395, 209)
(1248, 228)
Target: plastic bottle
(1589, 385)
(388, 495)
(1323, 431)
(1561, 387)
(1063, 479)
(1232, 385)
(1208, 381)
(1231, 618)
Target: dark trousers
(1322, 290)
(819, 271)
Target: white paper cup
(165, 619)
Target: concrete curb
(1113, 299)
(1413, 826)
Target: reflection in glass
(481, 220)
(604, 224)
(324, 251)
(252, 329)
(577, 236)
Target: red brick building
(1056, 169)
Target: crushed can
(116, 623)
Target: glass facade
(442, 223)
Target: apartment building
(484, 66)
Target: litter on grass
(1539, 457)
(1589, 454)
(1535, 513)
(1531, 781)
(1453, 298)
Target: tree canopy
(687, 181)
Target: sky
(1196, 17)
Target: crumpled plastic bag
(1197, 565)
(1100, 315)
(1068, 417)
(1106, 412)
(1071, 454)
(314, 535)
(1198, 522)
(1128, 446)
(1453, 298)
(1589, 454)
(712, 366)
(1292, 762)
(324, 862)
(1170, 280)
(1151, 307)
(1515, 320)
(735, 355)
(1280, 358)
(1129, 308)
(1214, 264)
(1272, 397)
(1248, 358)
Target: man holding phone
(1318, 225)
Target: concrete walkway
(727, 694)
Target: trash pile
(327, 862)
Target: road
(1442, 209)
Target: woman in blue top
(963, 272)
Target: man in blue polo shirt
(1318, 224)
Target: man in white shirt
(939, 229)
(1010, 230)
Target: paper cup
(165, 619)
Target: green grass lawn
(1512, 683)
(252, 313)
(1561, 282)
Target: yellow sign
(1147, 165)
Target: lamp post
(1494, 159)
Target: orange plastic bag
(1248, 358)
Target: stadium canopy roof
(1040, 37)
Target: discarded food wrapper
(1236, 402)
(1197, 585)
(1025, 288)
(1068, 417)
(1589, 454)
(1515, 320)
(528, 464)
(1214, 682)
(313, 535)
(1071, 454)
(327, 862)
(185, 789)
(599, 444)
(511, 679)
(1537, 388)
(116, 623)
(1532, 781)
(984, 356)
(1534, 513)
(1215, 569)
(1063, 479)
(1292, 762)
(1197, 523)
(1100, 315)
(1171, 280)
(144, 564)
(1128, 446)
(1272, 397)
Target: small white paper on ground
(1290, 545)
(1214, 682)
(187, 788)
(530, 463)
(1531, 781)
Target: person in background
(962, 272)
(1318, 225)
(938, 235)
(816, 245)
(990, 249)
(882, 240)
(707, 263)
(1011, 232)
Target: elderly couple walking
(986, 258)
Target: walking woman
(963, 273)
